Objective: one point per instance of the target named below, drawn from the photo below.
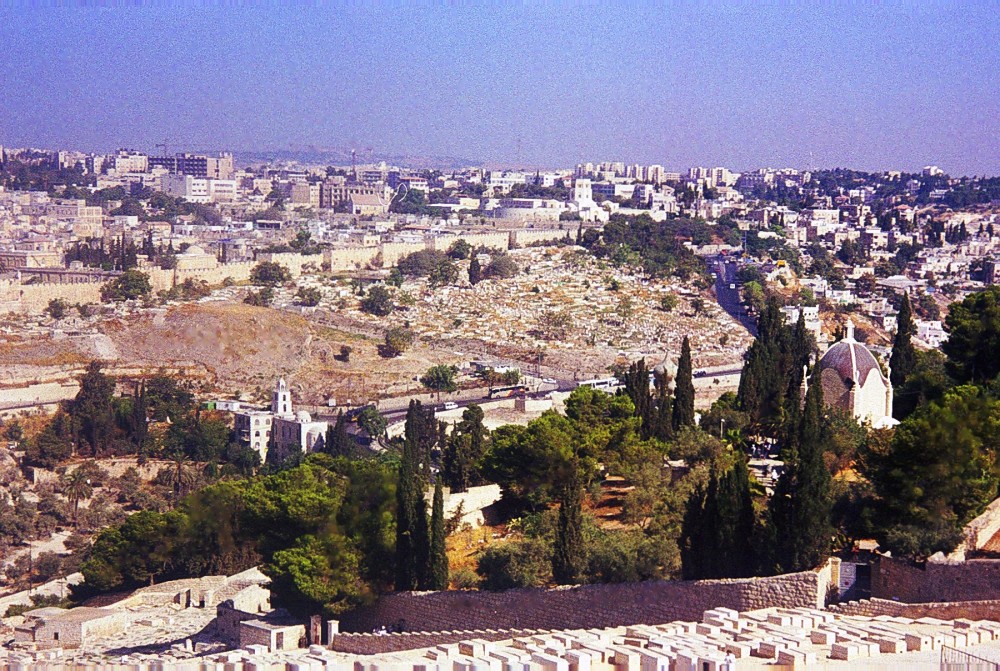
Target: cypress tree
(338, 442)
(684, 389)
(439, 555)
(718, 526)
(406, 578)
(412, 542)
(139, 405)
(694, 542)
(475, 271)
(904, 357)
(664, 410)
(421, 542)
(734, 523)
(801, 505)
(637, 387)
(568, 557)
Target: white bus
(604, 383)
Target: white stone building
(280, 431)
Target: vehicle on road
(509, 391)
(450, 405)
(549, 380)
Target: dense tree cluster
(770, 386)
(320, 530)
(157, 417)
(657, 246)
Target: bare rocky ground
(579, 314)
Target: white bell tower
(281, 399)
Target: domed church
(853, 381)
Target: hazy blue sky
(895, 86)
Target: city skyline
(866, 88)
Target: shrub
(520, 563)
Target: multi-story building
(196, 165)
(280, 431)
(126, 160)
(337, 192)
(199, 190)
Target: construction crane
(165, 145)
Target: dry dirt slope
(245, 349)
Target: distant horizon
(678, 85)
(429, 161)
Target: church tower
(281, 399)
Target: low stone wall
(374, 644)
(956, 610)
(900, 580)
(590, 606)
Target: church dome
(194, 250)
(844, 373)
(303, 416)
(851, 361)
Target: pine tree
(801, 505)
(568, 556)
(439, 555)
(475, 271)
(904, 357)
(684, 389)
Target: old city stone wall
(973, 580)
(970, 610)
(34, 298)
(589, 606)
(350, 258)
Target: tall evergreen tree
(475, 270)
(91, 408)
(904, 356)
(718, 526)
(568, 557)
(802, 505)
(684, 389)
(664, 408)
(412, 542)
(465, 447)
(139, 426)
(637, 387)
(438, 553)
(338, 442)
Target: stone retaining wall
(973, 580)
(970, 610)
(590, 606)
(374, 644)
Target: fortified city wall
(21, 298)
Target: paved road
(729, 299)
